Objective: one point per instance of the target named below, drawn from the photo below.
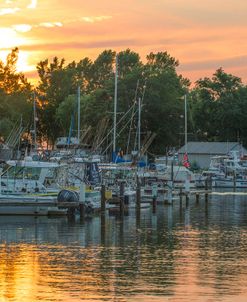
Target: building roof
(216, 148)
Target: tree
(15, 95)
(156, 82)
(162, 106)
(218, 106)
(56, 83)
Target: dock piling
(138, 196)
(103, 199)
(121, 198)
(82, 209)
(197, 197)
(180, 196)
(187, 199)
(206, 190)
(154, 197)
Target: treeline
(217, 106)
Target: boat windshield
(22, 172)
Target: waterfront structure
(202, 152)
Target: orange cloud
(201, 35)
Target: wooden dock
(39, 203)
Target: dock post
(138, 196)
(103, 199)
(180, 196)
(154, 197)
(206, 190)
(1, 171)
(82, 209)
(154, 204)
(121, 198)
(82, 198)
(197, 197)
(187, 199)
(169, 192)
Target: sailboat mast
(185, 123)
(115, 106)
(34, 121)
(79, 113)
(139, 127)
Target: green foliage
(15, 95)
(66, 109)
(219, 107)
(5, 127)
(156, 82)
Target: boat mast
(34, 121)
(79, 113)
(139, 127)
(185, 123)
(115, 106)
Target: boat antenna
(115, 106)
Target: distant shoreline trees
(217, 106)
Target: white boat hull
(29, 205)
(223, 183)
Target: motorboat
(28, 187)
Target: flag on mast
(186, 162)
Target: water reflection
(179, 253)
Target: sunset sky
(202, 35)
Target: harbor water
(180, 253)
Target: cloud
(23, 28)
(95, 19)
(9, 11)
(33, 4)
(50, 24)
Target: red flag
(186, 162)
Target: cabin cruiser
(228, 171)
(29, 176)
(29, 187)
(39, 181)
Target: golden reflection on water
(172, 256)
(18, 273)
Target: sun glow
(22, 63)
(10, 38)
